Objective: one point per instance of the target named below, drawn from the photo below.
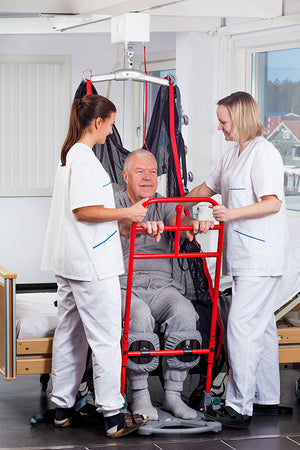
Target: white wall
(197, 71)
(200, 75)
(87, 52)
(24, 219)
(22, 229)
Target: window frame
(243, 57)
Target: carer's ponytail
(83, 112)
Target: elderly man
(157, 299)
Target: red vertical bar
(178, 209)
(127, 308)
(212, 339)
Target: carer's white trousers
(253, 344)
(89, 315)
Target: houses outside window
(278, 85)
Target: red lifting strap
(173, 137)
(88, 86)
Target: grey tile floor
(21, 399)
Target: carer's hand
(220, 213)
(153, 229)
(199, 226)
(137, 212)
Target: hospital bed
(288, 312)
(27, 324)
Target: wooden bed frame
(18, 356)
(289, 345)
(289, 336)
(33, 356)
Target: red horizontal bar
(168, 352)
(175, 255)
(181, 200)
(181, 227)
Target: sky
(284, 64)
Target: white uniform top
(256, 246)
(75, 249)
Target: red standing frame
(210, 351)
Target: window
(34, 111)
(276, 77)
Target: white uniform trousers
(89, 315)
(253, 344)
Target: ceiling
(93, 16)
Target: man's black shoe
(271, 410)
(229, 417)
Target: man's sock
(141, 404)
(174, 404)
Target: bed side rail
(8, 324)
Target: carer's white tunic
(258, 246)
(76, 249)
(256, 255)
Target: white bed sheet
(36, 315)
(290, 284)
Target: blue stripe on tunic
(252, 237)
(105, 240)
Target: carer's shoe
(123, 423)
(228, 417)
(271, 410)
(63, 417)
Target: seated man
(156, 297)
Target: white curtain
(34, 111)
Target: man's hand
(153, 229)
(199, 226)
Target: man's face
(141, 177)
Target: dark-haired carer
(83, 249)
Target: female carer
(249, 177)
(83, 249)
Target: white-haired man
(157, 299)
